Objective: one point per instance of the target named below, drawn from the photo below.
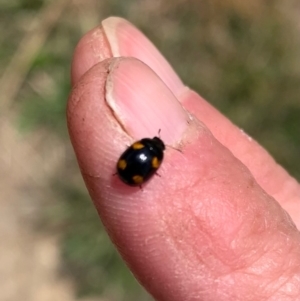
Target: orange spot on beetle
(122, 164)
(138, 179)
(138, 145)
(155, 163)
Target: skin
(221, 222)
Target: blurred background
(243, 56)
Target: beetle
(140, 161)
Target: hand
(221, 221)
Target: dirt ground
(29, 258)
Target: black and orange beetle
(140, 161)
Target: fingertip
(117, 37)
(127, 40)
(142, 102)
(92, 49)
(111, 107)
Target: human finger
(204, 230)
(117, 37)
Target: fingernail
(127, 40)
(142, 103)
